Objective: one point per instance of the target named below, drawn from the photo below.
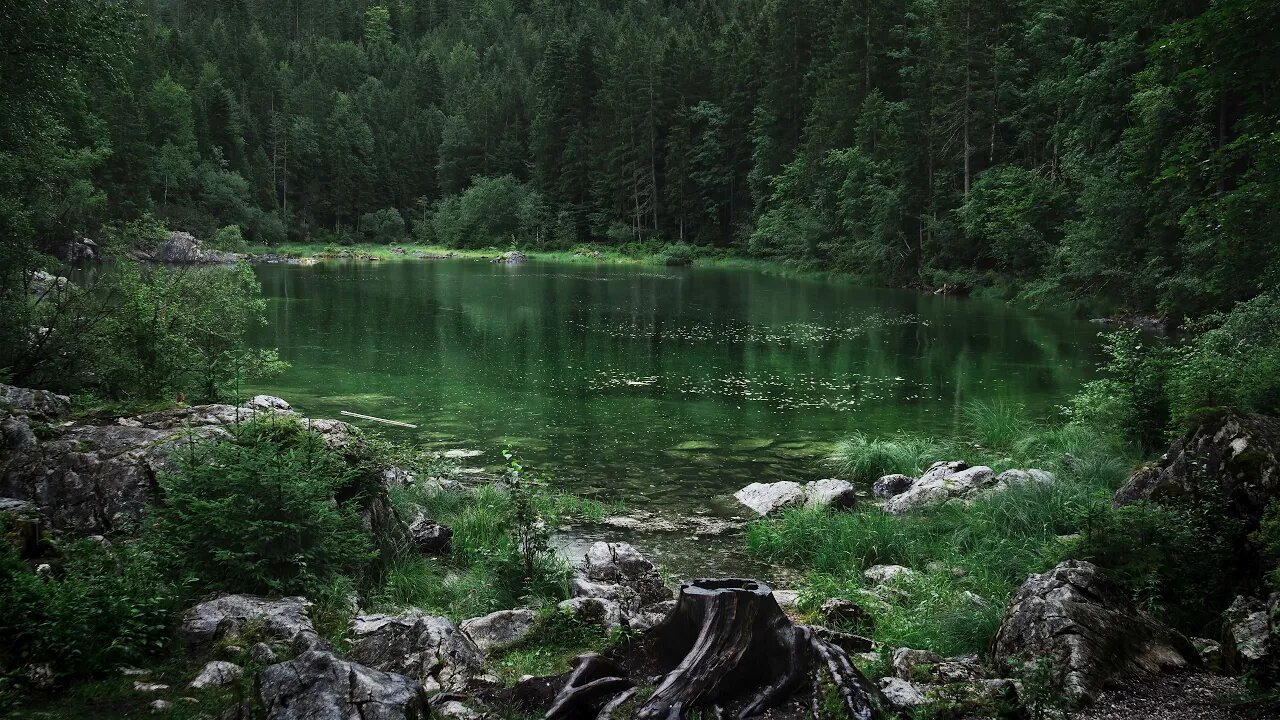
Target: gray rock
(511, 257)
(1210, 652)
(500, 629)
(910, 664)
(1030, 476)
(889, 485)
(454, 710)
(1252, 637)
(1088, 629)
(427, 648)
(283, 619)
(217, 673)
(839, 611)
(885, 574)
(903, 696)
(39, 404)
(318, 685)
(262, 654)
(786, 599)
(184, 249)
(831, 493)
(940, 484)
(622, 564)
(769, 498)
(160, 706)
(268, 403)
(593, 611)
(398, 477)
(428, 536)
(148, 687)
(627, 599)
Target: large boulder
(183, 248)
(500, 629)
(830, 492)
(769, 498)
(318, 685)
(282, 620)
(889, 485)
(622, 564)
(427, 648)
(1088, 630)
(511, 257)
(943, 481)
(38, 404)
(1252, 638)
(429, 536)
(1230, 457)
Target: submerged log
(726, 649)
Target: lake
(668, 389)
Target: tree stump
(727, 648)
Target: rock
(429, 649)
(889, 485)
(593, 611)
(74, 250)
(911, 664)
(184, 249)
(940, 484)
(1210, 652)
(262, 654)
(37, 404)
(397, 477)
(146, 687)
(838, 611)
(1009, 478)
(318, 685)
(461, 454)
(1088, 629)
(428, 536)
(903, 696)
(830, 492)
(885, 574)
(268, 403)
(622, 564)
(454, 710)
(1252, 638)
(1233, 456)
(41, 676)
(42, 286)
(769, 498)
(500, 629)
(283, 619)
(511, 257)
(626, 598)
(786, 599)
(217, 673)
(160, 706)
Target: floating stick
(378, 419)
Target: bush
(259, 512)
(228, 238)
(385, 226)
(103, 607)
(491, 211)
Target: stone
(627, 599)
(262, 654)
(600, 612)
(216, 673)
(839, 611)
(910, 664)
(769, 498)
(38, 404)
(283, 619)
(885, 574)
(836, 494)
(500, 629)
(397, 477)
(318, 685)
(1210, 652)
(889, 485)
(461, 454)
(454, 710)
(786, 599)
(1234, 456)
(511, 257)
(903, 696)
(939, 484)
(1252, 638)
(1088, 629)
(182, 248)
(160, 706)
(429, 649)
(1010, 478)
(622, 564)
(428, 536)
(268, 403)
(148, 687)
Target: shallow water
(664, 388)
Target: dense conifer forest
(1073, 148)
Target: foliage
(865, 459)
(557, 638)
(228, 237)
(259, 512)
(1267, 540)
(491, 210)
(103, 606)
(384, 226)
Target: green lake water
(665, 388)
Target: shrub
(384, 226)
(996, 425)
(492, 210)
(258, 512)
(228, 237)
(104, 606)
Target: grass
(555, 641)
(969, 558)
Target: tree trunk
(726, 649)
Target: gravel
(1177, 696)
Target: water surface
(665, 388)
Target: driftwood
(727, 650)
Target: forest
(1067, 148)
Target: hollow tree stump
(727, 648)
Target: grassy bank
(967, 559)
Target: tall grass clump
(996, 425)
(863, 458)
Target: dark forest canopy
(1123, 149)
